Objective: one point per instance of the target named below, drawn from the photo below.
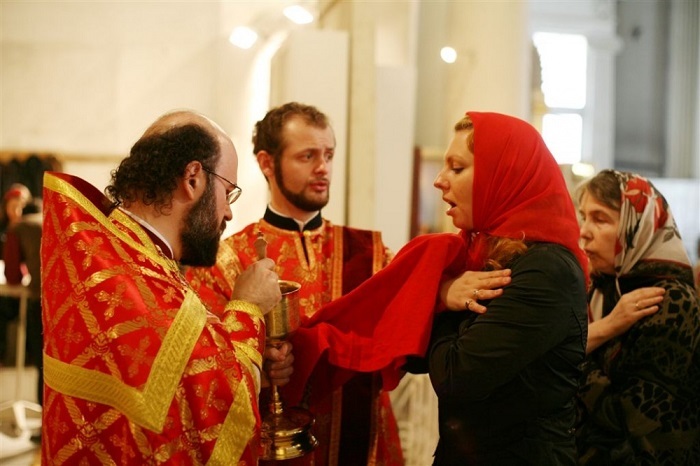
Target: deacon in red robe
(328, 261)
(294, 145)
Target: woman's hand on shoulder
(466, 290)
(629, 309)
(633, 306)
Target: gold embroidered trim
(377, 252)
(378, 258)
(228, 256)
(125, 219)
(297, 240)
(306, 237)
(90, 431)
(237, 428)
(147, 408)
(337, 263)
(245, 306)
(147, 248)
(253, 357)
(336, 413)
(376, 414)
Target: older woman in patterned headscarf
(640, 396)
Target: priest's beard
(298, 200)
(201, 235)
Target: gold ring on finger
(476, 294)
(468, 303)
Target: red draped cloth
(391, 318)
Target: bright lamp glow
(584, 170)
(448, 54)
(298, 14)
(243, 37)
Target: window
(563, 85)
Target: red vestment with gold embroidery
(354, 424)
(137, 370)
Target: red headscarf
(519, 190)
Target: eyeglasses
(231, 196)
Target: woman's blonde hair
(465, 123)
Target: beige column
(356, 18)
(683, 118)
(381, 98)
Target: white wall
(86, 78)
(311, 67)
(89, 77)
(395, 109)
(491, 72)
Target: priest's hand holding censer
(286, 432)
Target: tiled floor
(16, 450)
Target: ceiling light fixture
(243, 37)
(448, 54)
(298, 14)
(583, 170)
(268, 23)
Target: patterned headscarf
(519, 190)
(647, 229)
(648, 242)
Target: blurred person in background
(13, 202)
(22, 257)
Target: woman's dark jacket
(506, 379)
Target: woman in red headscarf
(505, 378)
